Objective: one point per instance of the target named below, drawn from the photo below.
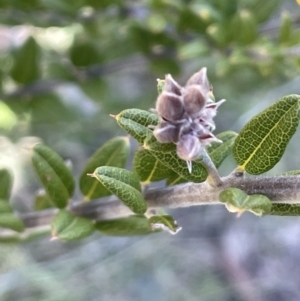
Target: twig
(283, 189)
(213, 174)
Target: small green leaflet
(137, 225)
(114, 152)
(164, 222)
(26, 67)
(66, 226)
(262, 142)
(291, 173)
(6, 181)
(285, 209)
(220, 151)
(5, 207)
(126, 226)
(136, 123)
(54, 174)
(8, 219)
(160, 85)
(148, 167)
(173, 162)
(124, 184)
(236, 200)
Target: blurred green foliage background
(66, 65)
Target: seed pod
(200, 78)
(169, 107)
(193, 127)
(172, 86)
(166, 132)
(188, 147)
(199, 129)
(194, 99)
(207, 139)
(214, 106)
(208, 113)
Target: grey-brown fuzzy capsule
(188, 147)
(172, 86)
(166, 132)
(200, 78)
(186, 116)
(169, 107)
(194, 99)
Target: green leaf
(264, 9)
(66, 226)
(227, 7)
(236, 200)
(136, 123)
(219, 151)
(5, 207)
(193, 49)
(6, 181)
(179, 166)
(174, 179)
(153, 145)
(26, 63)
(291, 173)
(113, 153)
(10, 221)
(285, 209)
(191, 20)
(160, 85)
(166, 154)
(286, 29)
(219, 34)
(164, 222)
(42, 201)
(84, 53)
(124, 184)
(11, 239)
(262, 142)
(245, 21)
(54, 174)
(127, 226)
(148, 167)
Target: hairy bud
(172, 86)
(194, 100)
(186, 116)
(169, 107)
(206, 116)
(200, 78)
(166, 132)
(188, 147)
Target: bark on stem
(283, 189)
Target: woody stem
(213, 174)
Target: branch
(281, 189)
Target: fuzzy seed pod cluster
(186, 116)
